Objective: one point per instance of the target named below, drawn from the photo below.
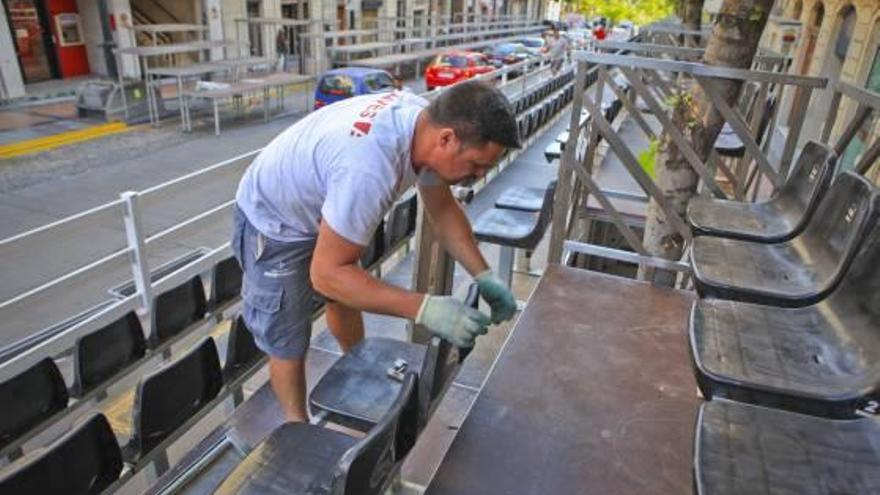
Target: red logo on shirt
(362, 126)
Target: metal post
(134, 233)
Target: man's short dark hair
(478, 113)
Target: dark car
(509, 53)
(339, 84)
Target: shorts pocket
(266, 300)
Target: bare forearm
(455, 234)
(355, 288)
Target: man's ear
(447, 137)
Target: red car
(453, 66)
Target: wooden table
(593, 393)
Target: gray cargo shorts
(276, 291)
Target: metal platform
(583, 398)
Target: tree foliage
(640, 12)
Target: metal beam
(696, 69)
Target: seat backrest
(226, 285)
(859, 292)
(176, 309)
(842, 217)
(29, 398)
(241, 350)
(546, 213)
(168, 397)
(366, 467)
(84, 461)
(107, 351)
(376, 248)
(810, 178)
(402, 219)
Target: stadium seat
(402, 220)
(797, 272)
(742, 449)
(778, 219)
(176, 309)
(84, 461)
(100, 355)
(241, 351)
(168, 397)
(302, 458)
(521, 198)
(226, 282)
(375, 250)
(29, 398)
(822, 359)
(513, 229)
(358, 389)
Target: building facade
(44, 40)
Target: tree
(733, 43)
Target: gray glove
(449, 318)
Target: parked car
(508, 53)
(533, 44)
(339, 84)
(455, 65)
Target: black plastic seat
(778, 219)
(521, 198)
(375, 250)
(241, 351)
(728, 142)
(402, 220)
(301, 458)
(822, 359)
(176, 309)
(797, 272)
(30, 398)
(226, 285)
(168, 397)
(105, 352)
(357, 390)
(84, 461)
(519, 229)
(553, 151)
(742, 449)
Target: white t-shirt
(346, 163)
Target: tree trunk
(691, 13)
(733, 43)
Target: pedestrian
(282, 48)
(557, 52)
(309, 204)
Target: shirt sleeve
(355, 204)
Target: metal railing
(650, 79)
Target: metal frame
(637, 69)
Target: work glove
(449, 318)
(499, 297)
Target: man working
(312, 199)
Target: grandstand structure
(754, 373)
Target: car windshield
(452, 60)
(479, 60)
(507, 49)
(379, 82)
(533, 43)
(337, 85)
